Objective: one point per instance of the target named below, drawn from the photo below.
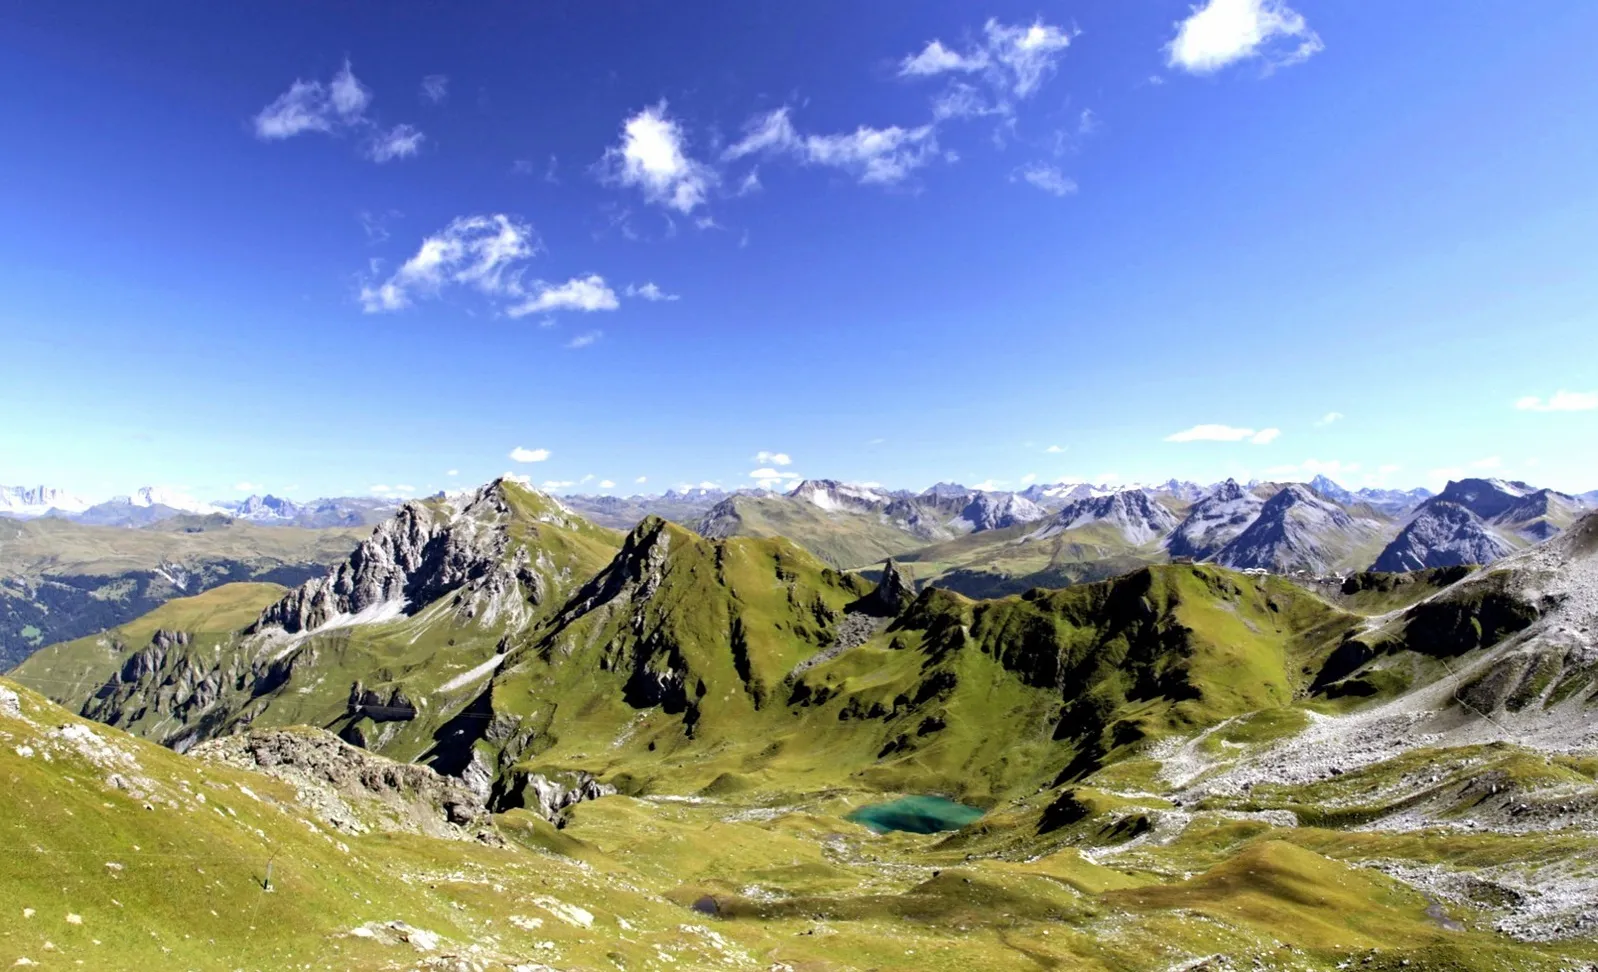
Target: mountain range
(657, 730)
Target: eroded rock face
(419, 555)
(549, 798)
(893, 594)
(353, 789)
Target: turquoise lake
(915, 815)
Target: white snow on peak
(27, 501)
(167, 496)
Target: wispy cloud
(311, 106)
(435, 88)
(771, 478)
(607, 484)
(481, 252)
(1029, 478)
(883, 156)
(584, 339)
(520, 454)
(453, 472)
(1224, 433)
(1014, 59)
(1046, 177)
(1223, 32)
(248, 487)
(589, 293)
(1560, 401)
(649, 291)
(383, 490)
(641, 480)
(334, 108)
(1328, 419)
(774, 458)
(653, 158)
(399, 142)
(1055, 448)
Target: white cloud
(559, 484)
(1029, 478)
(962, 100)
(520, 454)
(1045, 177)
(641, 479)
(881, 156)
(1265, 436)
(1329, 418)
(382, 490)
(649, 291)
(453, 472)
(1561, 401)
(653, 158)
(774, 458)
(311, 106)
(589, 293)
(1014, 59)
(1211, 433)
(399, 142)
(936, 59)
(769, 478)
(402, 488)
(606, 484)
(1222, 32)
(989, 485)
(435, 88)
(483, 252)
(247, 487)
(584, 339)
(1054, 448)
(517, 478)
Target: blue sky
(295, 248)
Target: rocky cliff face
(1442, 534)
(1138, 517)
(424, 552)
(353, 790)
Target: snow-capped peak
(171, 498)
(26, 501)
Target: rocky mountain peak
(1442, 534)
(426, 550)
(834, 496)
(1137, 516)
(995, 511)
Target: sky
(322, 250)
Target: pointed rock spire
(893, 594)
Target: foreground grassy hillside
(129, 856)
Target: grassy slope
(51, 546)
(999, 562)
(796, 884)
(977, 699)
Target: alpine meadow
(738, 486)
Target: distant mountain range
(154, 504)
(1044, 534)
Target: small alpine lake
(915, 815)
